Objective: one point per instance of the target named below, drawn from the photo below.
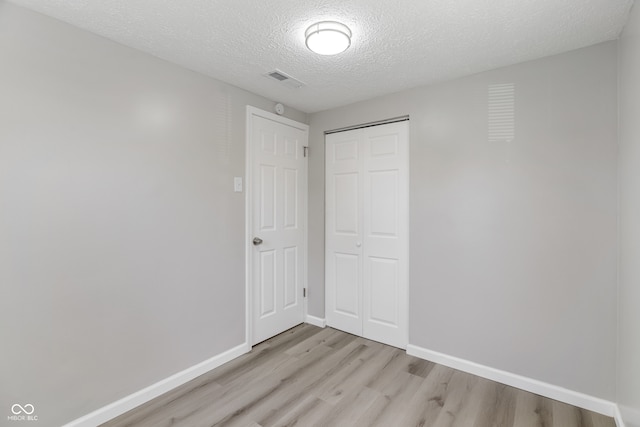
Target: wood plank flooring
(310, 376)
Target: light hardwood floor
(310, 376)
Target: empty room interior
(320, 212)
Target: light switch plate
(237, 184)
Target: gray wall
(121, 240)
(629, 278)
(513, 245)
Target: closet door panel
(385, 237)
(343, 232)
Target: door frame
(248, 211)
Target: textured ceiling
(396, 44)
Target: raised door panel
(347, 280)
(267, 283)
(346, 212)
(291, 277)
(291, 202)
(267, 194)
(383, 203)
(344, 150)
(383, 291)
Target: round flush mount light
(328, 37)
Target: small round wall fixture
(328, 38)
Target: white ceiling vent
(285, 79)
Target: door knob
(358, 244)
(257, 241)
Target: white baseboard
(127, 403)
(627, 415)
(551, 391)
(618, 417)
(316, 321)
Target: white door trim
(248, 200)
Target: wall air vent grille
(285, 79)
(502, 112)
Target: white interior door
(367, 232)
(278, 202)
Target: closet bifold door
(385, 217)
(367, 247)
(343, 229)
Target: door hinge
(305, 151)
(304, 292)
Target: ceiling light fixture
(328, 37)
